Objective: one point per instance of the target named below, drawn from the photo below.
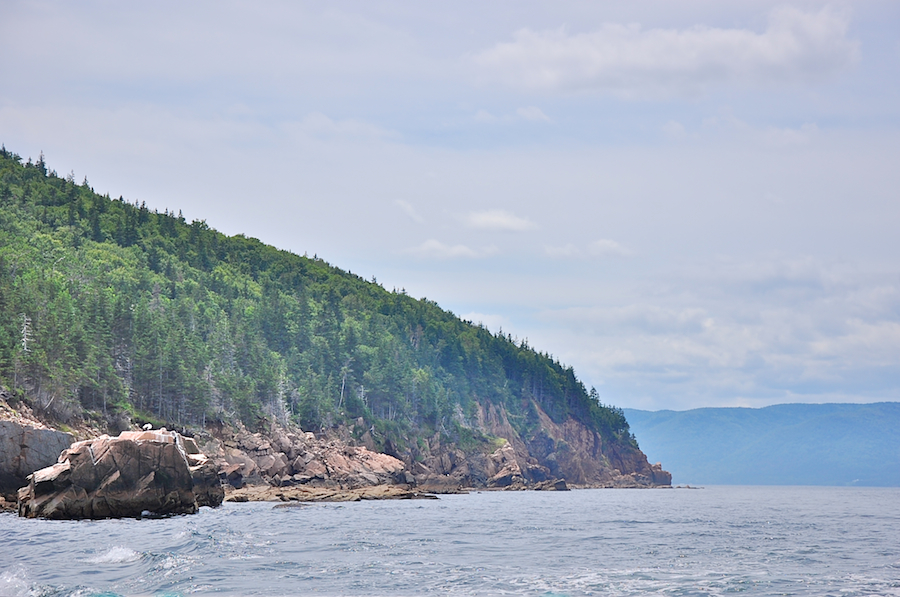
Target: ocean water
(712, 541)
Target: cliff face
(569, 451)
(26, 445)
(494, 456)
(582, 457)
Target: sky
(693, 203)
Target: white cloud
(319, 124)
(770, 135)
(528, 114)
(761, 332)
(642, 318)
(789, 136)
(498, 219)
(437, 250)
(627, 59)
(567, 250)
(485, 116)
(269, 44)
(533, 114)
(673, 129)
(409, 210)
(597, 248)
(608, 248)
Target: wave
(115, 555)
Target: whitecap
(14, 582)
(115, 555)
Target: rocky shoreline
(345, 457)
(285, 464)
(263, 493)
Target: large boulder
(658, 476)
(26, 446)
(509, 473)
(115, 477)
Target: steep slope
(787, 444)
(112, 311)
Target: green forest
(109, 307)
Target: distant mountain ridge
(785, 444)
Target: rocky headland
(549, 453)
(149, 319)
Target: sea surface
(712, 541)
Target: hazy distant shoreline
(785, 444)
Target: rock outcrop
(285, 458)
(552, 454)
(159, 472)
(26, 445)
(25, 448)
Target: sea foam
(115, 555)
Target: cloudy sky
(694, 203)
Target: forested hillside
(106, 305)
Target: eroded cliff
(546, 451)
(26, 445)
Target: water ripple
(716, 542)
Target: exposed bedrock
(159, 472)
(567, 452)
(287, 457)
(553, 456)
(24, 448)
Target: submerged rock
(116, 477)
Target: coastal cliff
(546, 451)
(286, 463)
(341, 463)
(26, 445)
(551, 456)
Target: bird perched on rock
(147, 427)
